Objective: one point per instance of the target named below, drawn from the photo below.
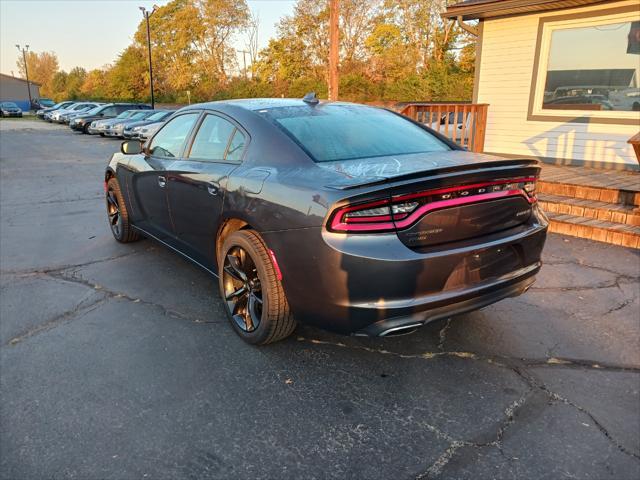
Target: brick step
(594, 229)
(580, 207)
(620, 195)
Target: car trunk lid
(444, 199)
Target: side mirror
(131, 147)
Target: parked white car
(74, 108)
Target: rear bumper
(484, 296)
(367, 284)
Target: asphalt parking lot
(117, 361)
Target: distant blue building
(14, 89)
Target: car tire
(117, 214)
(268, 307)
(85, 129)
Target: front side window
(212, 139)
(169, 141)
(590, 66)
(348, 132)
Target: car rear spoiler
(505, 166)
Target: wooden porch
(601, 205)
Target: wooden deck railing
(464, 123)
(635, 141)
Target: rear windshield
(126, 113)
(348, 132)
(139, 114)
(9, 104)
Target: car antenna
(311, 98)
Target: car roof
(258, 103)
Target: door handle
(212, 189)
(162, 181)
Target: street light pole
(26, 70)
(146, 15)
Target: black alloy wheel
(113, 211)
(250, 286)
(242, 289)
(117, 214)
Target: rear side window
(169, 141)
(109, 111)
(348, 132)
(212, 139)
(123, 108)
(236, 147)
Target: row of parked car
(119, 120)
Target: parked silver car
(100, 126)
(74, 108)
(65, 117)
(147, 131)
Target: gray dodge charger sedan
(348, 217)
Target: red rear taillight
(364, 217)
(402, 211)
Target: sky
(91, 33)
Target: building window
(594, 68)
(589, 67)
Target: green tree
(390, 59)
(95, 85)
(128, 78)
(389, 50)
(74, 82)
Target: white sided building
(561, 78)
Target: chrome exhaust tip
(401, 330)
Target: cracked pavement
(117, 361)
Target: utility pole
(244, 60)
(146, 14)
(334, 18)
(26, 70)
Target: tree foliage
(389, 50)
(42, 68)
